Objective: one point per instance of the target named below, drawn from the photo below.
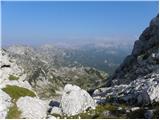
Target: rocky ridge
(19, 100)
(12, 86)
(144, 58)
(48, 71)
(136, 81)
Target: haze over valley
(79, 60)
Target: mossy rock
(15, 92)
(12, 77)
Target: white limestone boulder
(32, 108)
(56, 110)
(75, 100)
(5, 103)
(51, 117)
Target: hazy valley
(79, 60)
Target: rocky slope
(142, 91)
(48, 71)
(136, 81)
(144, 58)
(13, 85)
(19, 100)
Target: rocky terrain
(40, 83)
(136, 81)
(48, 70)
(20, 98)
(144, 58)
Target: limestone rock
(144, 58)
(135, 108)
(51, 117)
(32, 108)
(75, 100)
(142, 91)
(9, 67)
(5, 103)
(56, 110)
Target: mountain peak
(144, 58)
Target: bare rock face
(5, 103)
(142, 91)
(136, 81)
(32, 108)
(10, 69)
(144, 58)
(75, 100)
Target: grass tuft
(97, 113)
(12, 77)
(13, 112)
(15, 92)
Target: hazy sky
(47, 22)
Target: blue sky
(46, 22)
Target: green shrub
(12, 77)
(16, 92)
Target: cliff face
(136, 81)
(144, 58)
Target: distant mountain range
(42, 82)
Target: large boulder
(75, 100)
(32, 108)
(5, 103)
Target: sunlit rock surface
(32, 108)
(75, 100)
(5, 103)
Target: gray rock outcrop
(144, 58)
(142, 91)
(136, 81)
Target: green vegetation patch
(16, 92)
(56, 115)
(12, 77)
(13, 112)
(98, 113)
